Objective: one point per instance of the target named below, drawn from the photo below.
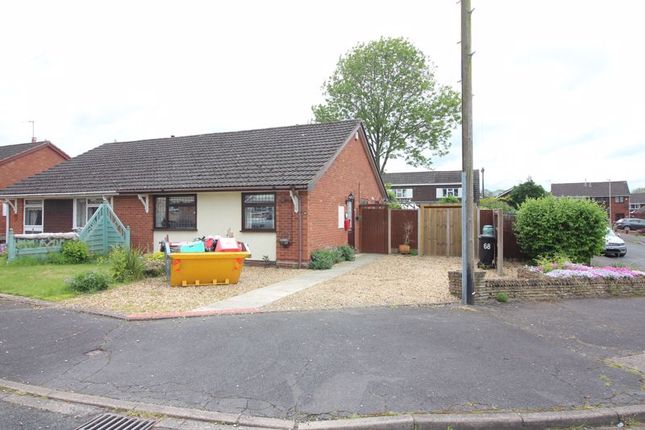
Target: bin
(487, 248)
(205, 268)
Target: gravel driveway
(391, 280)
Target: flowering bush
(582, 271)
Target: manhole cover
(116, 422)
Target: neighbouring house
(284, 191)
(23, 160)
(602, 192)
(636, 202)
(428, 187)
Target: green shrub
(501, 297)
(126, 265)
(322, 259)
(338, 255)
(551, 262)
(449, 199)
(25, 261)
(347, 252)
(154, 264)
(495, 203)
(75, 251)
(551, 226)
(89, 282)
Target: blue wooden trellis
(104, 231)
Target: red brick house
(285, 191)
(23, 160)
(615, 193)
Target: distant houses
(614, 195)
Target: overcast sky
(559, 93)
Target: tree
(495, 203)
(526, 190)
(390, 85)
(392, 200)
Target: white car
(614, 245)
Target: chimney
(34, 140)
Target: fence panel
(398, 221)
(512, 250)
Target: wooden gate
(374, 229)
(441, 230)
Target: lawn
(46, 281)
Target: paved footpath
(339, 363)
(255, 299)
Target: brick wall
(287, 228)
(546, 288)
(349, 173)
(132, 214)
(25, 166)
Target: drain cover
(116, 422)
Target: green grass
(46, 281)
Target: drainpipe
(7, 209)
(295, 198)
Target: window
(445, 192)
(33, 221)
(176, 212)
(620, 199)
(403, 193)
(258, 212)
(84, 209)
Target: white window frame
(87, 206)
(403, 193)
(448, 191)
(29, 227)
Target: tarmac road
(339, 363)
(635, 256)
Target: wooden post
(500, 242)
(11, 245)
(389, 230)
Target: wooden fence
(512, 250)
(374, 228)
(102, 232)
(398, 219)
(441, 230)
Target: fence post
(500, 242)
(389, 230)
(127, 237)
(11, 245)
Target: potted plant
(404, 248)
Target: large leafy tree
(526, 190)
(390, 85)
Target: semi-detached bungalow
(285, 191)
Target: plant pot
(404, 249)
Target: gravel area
(154, 295)
(392, 280)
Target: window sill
(257, 230)
(174, 229)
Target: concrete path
(332, 364)
(267, 295)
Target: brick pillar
(287, 228)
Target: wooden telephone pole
(467, 205)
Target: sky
(558, 85)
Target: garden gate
(104, 231)
(374, 228)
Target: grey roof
(637, 198)
(11, 150)
(428, 177)
(590, 189)
(268, 158)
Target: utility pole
(467, 205)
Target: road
(635, 253)
(338, 363)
